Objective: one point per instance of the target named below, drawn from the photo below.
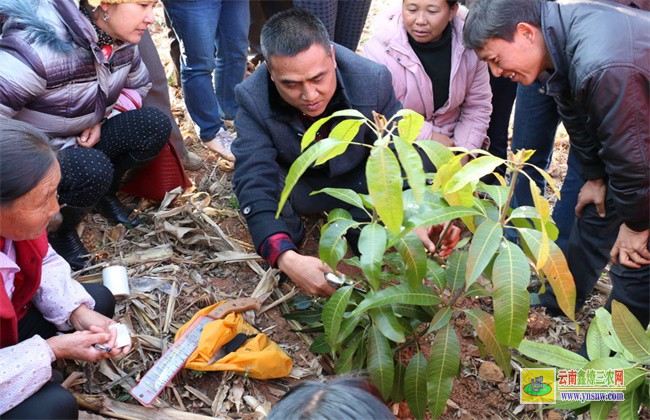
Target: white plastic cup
(116, 280)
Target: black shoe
(65, 240)
(124, 169)
(112, 209)
(69, 246)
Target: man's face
(521, 60)
(306, 81)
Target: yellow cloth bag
(258, 357)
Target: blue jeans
(536, 121)
(214, 40)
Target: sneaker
(192, 161)
(221, 144)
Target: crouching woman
(38, 298)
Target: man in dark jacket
(303, 79)
(600, 82)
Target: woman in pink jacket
(433, 73)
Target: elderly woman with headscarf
(38, 297)
(64, 66)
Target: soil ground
(473, 396)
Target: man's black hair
(498, 19)
(291, 32)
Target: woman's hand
(79, 345)
(445, 140)
(90, 136)
(85, 319)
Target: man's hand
(429, 235)
(630, 248)
(85, 319)
(90, 136)
(79, 345)
(306, 272)
(594, 191)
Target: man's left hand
(429, 235)
(631, 248)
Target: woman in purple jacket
(421, 43)
(64, 66)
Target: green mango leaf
(484, 326)
(629, 407)
(345, 130)
(631, 333)
(347, 328)
(599, 410)
(338, 214)
(440, 319)
(436, 274)
(359, 361)
(397, 393)
(319, 346)
(410, 125)
(488, 209)
(632, 377)
(437, 153)
(414, 255)
(333, 246)
(310, 134)
(442, 369)
(510, 269)
(441, 215)
(303, 163)
(472, 172)
(525, 212)
(344, 362)
(411, 312)
(421, 296)
(380, 361)
(556, 270)
(415, 385)
(385, 187)
(367, 201)
(510, 277)
(609, 335)
(596, 344)
(456, 269)
(645, 393)
(412, 164)
(306, 317)
(385, 320)
(552, 355)
(498, 193)
(476, 290)
(343, 194)
(511, 326)
(372, 245)
(484, 244)
(333, 314)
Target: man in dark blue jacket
(304, 78)
(600, 82)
